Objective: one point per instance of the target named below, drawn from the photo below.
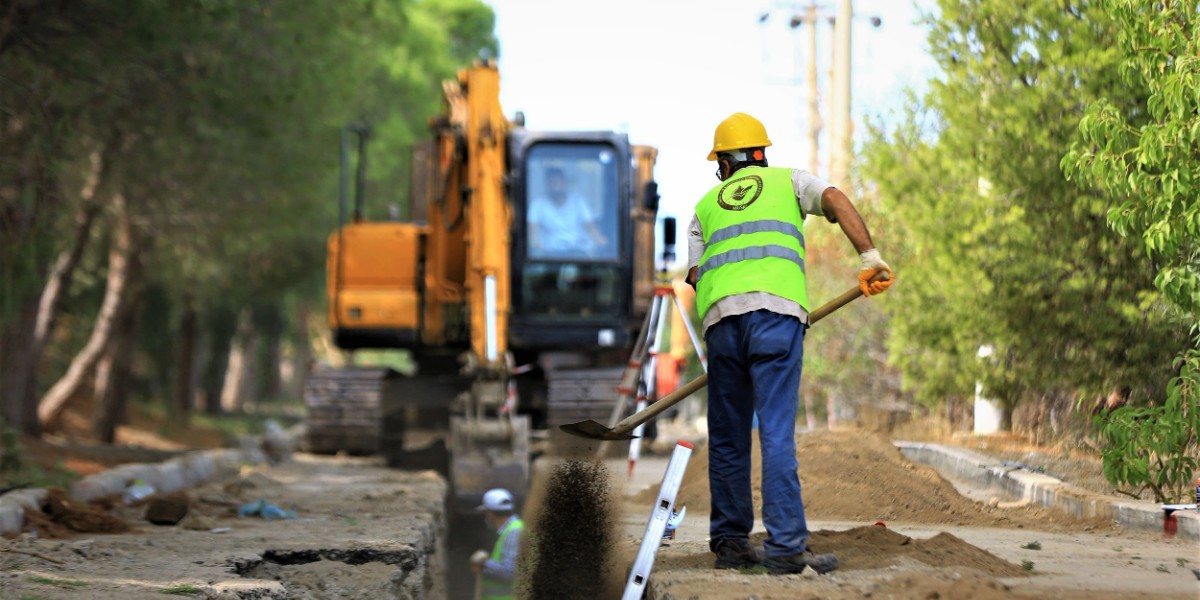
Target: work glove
(478, 559)
(872, 265)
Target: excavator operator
(746, 262)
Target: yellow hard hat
(739, 130)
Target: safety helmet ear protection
(729, 162)
(738, 131)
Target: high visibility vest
(496, 589)
(753, 238)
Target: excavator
(517, 287)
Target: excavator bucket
(491, 453)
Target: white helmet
(497, 499)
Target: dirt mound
(860, 476)
(63, 516)
(874, 547)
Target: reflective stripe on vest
(751, 253)
(495, 589)
(753, 238)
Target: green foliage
(1155, 447)
(1147, 157)
(1027, 565)
(1152, 165)
(1034, 545)
(15, 470)
(62, 583)
(1000, 248)
(218, 121)
(181, 590)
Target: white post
(988, 413)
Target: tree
(1002, 249)
(1147, 157)
(217, 121)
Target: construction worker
(746, 262)
(499, 568)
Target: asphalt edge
(181, 472)
(1047, 491)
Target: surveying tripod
(639, 381)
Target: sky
(668, 71)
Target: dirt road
(362, 531)
(368, 532)
(937, 543)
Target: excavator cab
(572, 256)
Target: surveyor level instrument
(623, 430)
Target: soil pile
(63, 516)
(567, 548)
(875, 547)
(860, 476)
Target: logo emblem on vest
(740, 193)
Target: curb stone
(1046, 491)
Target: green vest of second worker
(753, 238)
(495, 589)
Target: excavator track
(353, 410)
(580, 394)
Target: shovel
(621, 431)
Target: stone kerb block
(199, 467)
(108, 483)
(170, 477)
(12, 508)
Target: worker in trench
(746, 262)
(498, 569)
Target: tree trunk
(301, 354)
(269, 324)
(185, 368)
(61, 275)
(112, 389)
(222, 327)
(115, 296)
(239, 375)
(831, 406)
(58, 283)
(810, 412)
(15, 368)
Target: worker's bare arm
(834, 203)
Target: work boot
(735, 554)
(795, 563)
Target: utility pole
(840, 140)
(841, 145)
(814, 101)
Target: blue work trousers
(754, 362)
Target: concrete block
(200, 467)
(170, 477)
(90, 488)
(12, 518)
(27, 497)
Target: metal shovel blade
(593, 430)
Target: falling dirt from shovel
(568, 545)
